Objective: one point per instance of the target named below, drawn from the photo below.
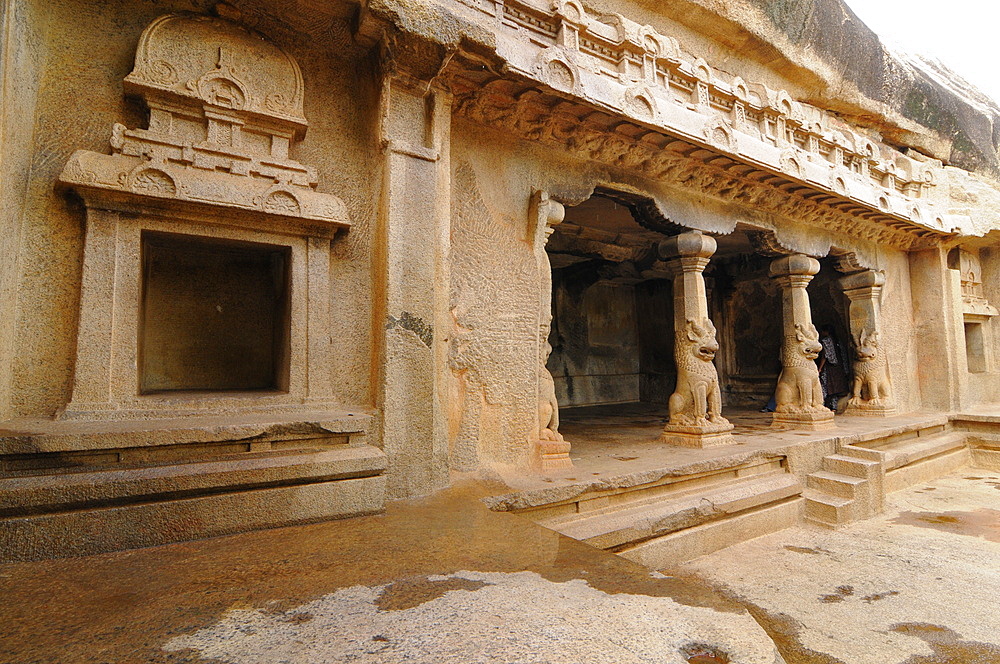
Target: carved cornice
(522, 108)
(225, 107)
(648, 76)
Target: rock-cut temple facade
(266, 263)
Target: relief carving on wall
(225, 106)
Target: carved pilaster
(799, 395)
(871, 390)
(551, 452)
(696, 405)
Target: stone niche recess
(206, 281)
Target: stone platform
(81, 487)
(661, 504)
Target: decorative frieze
(548, 119)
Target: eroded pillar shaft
(799, 396)
(552, 451)
(871, 388)
(696, 405)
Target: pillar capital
(794, 265)
(862, 284)
(691, 244)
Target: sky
(963, 34)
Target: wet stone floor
(443, 580)
(919, 584)
(436, 580)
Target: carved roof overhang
(706, 163)
(621, 94)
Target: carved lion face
(701, 335)
(866, 346)
(808, 340)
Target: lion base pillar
(696, 404)
(867, 409)
(812, 421)
(799, 395)
(552, 455)
(713, 435)
(874, 398)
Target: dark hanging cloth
(833, 376)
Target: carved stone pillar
(552, 452)
(871, 390)
(696, 405)
(798, 395)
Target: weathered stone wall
(655, 322)
(77, 53)
(495, 306)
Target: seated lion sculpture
(799, 390)
(871, 386)
(696, 400)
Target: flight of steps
(853, 482)
(680, 517)
(848, 488)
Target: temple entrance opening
(613, 322)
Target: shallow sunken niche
(975, 349)
(215, 315)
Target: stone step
(611, 528)
(921, 448)
(855, 452)
(851, 466)
(95, 511)
(927, 468)
(828, 510)
(987, 457)
(683, 545)
(836, 484)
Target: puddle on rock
(984, 523)
(408, 593)
(815, 551)
(948, 646)
(700, 653)
(784, 630)
(841, 593)
(874, 597)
